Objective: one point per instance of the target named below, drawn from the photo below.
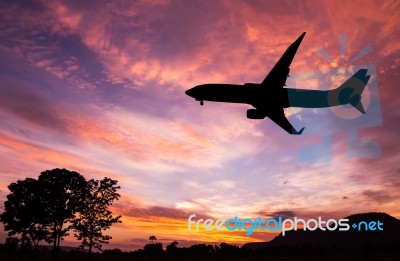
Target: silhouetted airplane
(269, 97)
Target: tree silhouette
(95, 215)
(172, 249)
(61, 196)
(152, 238)
(59, 200)
(11, 244)
(154, 250)
(23, 213)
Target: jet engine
(255, 114)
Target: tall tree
(96, 216)
(23, 213)
(62, 195)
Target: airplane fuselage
(263, 98)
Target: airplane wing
(277, 76)
(278, 116)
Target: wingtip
(300, 38)
(298, 132)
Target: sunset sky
(98, 87)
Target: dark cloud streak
(31, 106)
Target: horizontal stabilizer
(351, 90)
(360, 107)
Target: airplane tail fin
(350, 91)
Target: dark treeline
(156, 251)
(47, 209)
(224, 251)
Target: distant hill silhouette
(388, 239)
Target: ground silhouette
(295, 245)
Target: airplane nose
(190, 92)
